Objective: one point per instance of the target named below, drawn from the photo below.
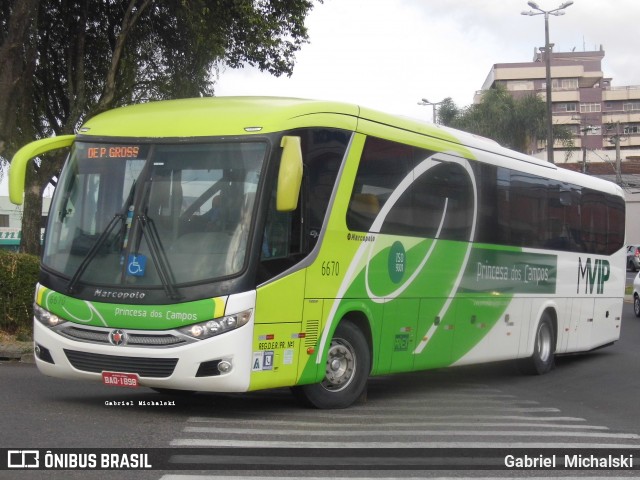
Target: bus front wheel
(346, 371)
(543, 358)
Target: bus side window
(382, 167)
(321, 173)
(289, 236)
(277, 232)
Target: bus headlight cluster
(46, 317)
(211, 328)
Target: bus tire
(543, 358)
(636, 305)
(347, 371)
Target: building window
(519, 85)
(564, 84)
(630, 106)
(566, 107)
(631, 129)
(590, 107)
(4, 220)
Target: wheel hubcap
(341, 365)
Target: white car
(636, 295)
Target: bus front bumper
(218, 364)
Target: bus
(242, 243)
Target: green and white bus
(237, 244)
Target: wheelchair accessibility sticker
(136, 265)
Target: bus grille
(145, 367)
(133, 339)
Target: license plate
(117, 379)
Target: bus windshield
(153, 215)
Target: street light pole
(426, 102)
(547, 53)
(585, 131)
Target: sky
(390, 54)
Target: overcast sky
(389, 54)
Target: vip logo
(592, 275)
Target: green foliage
(516, 123)
(18, 277)
(74, 59)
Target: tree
(448, 112)
(81, 57)
(16, 66)
(516, 123)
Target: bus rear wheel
(346, 371)
(543, 358)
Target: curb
(22, 352)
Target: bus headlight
(211, 328)
(46, 317)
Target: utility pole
(615, 139)
(547, 57)
(426, 102)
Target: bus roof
(230, 116)
(211, 116)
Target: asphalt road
(588, 401)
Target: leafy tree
(72, 59)
(516, 123)
(448, 111)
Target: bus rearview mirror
(290, 174)
(18, 168)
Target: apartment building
(597, 113)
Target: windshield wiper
(159, 256)
(100, 241)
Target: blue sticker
(136, 265)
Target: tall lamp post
(585, 131)
(426, 102)
(547, 53)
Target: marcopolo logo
(592, 274)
